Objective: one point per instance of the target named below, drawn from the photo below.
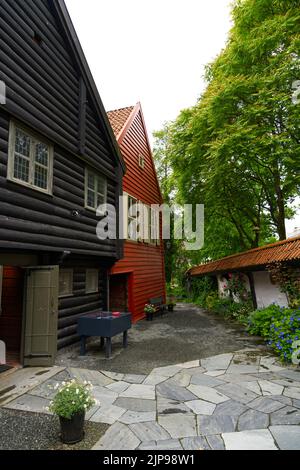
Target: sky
(152, 51)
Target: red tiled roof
(286, 250)
(118, 118)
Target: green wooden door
(41, 311)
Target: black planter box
(104, 325)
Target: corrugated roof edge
(220, 264)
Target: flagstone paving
(244, 400)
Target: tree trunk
(280, 208)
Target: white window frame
(131, 218)
(96, 175)
(34, 139)
(158, 227)
(91, 272)
(149, 217)
(71, 291)
(147, 224)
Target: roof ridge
(283, 250)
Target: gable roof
(70, 33)
(118, 118)
(121, 120)
(286, 250)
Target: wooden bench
(160, 306)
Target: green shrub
(283, 332)
(202, 288)
(211, 301)
(260, 320)
(176, 292)
(239, 311)
(279, 326)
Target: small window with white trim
(142, 161)
(65, 282)
(92, 281)
(95, 190)
(30, 160)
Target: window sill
(29, 186)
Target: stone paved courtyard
(243, 400)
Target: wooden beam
(82, 115)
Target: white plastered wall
(266, 292)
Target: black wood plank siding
(71, 308)
(45, 91)
(28, 217)
(43, 80)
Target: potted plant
(70, 404)
(149, 311)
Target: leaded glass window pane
(41, 177)
(90, 198)
(22, 145)
(101, 185)
(95, 191)
(31, 160)
(41, 154)
(91, 181)
(21, 168)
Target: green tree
(237, 150)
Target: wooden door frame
(25, 286)
(130, 278)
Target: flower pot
(72, 429)
(149, 316)
(170, 308)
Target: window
(92, 281)
(95, 190)
(140, 222)
(132, 214)
(141, 161)
(147, 224)
(65, 282)
(155, 227)
(30, 160)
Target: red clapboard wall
(143, 262)
(11, 307)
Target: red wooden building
(140, 275)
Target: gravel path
(181, 336)
(32, 431)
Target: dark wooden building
(59, 160)
(140, 275)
